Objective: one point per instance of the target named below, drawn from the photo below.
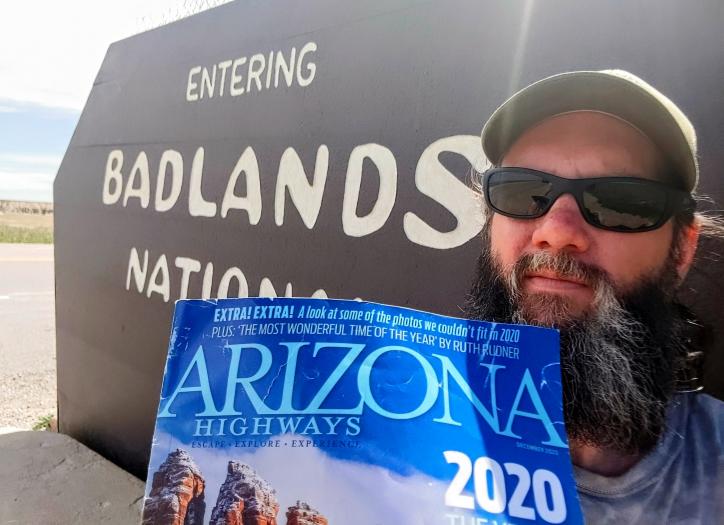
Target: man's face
(609, 292)
(579, 145)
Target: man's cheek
(508, 239)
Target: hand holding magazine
(306, 411)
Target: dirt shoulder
(27, 334)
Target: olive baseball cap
(615, 92)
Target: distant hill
(33, 208)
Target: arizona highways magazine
(316, 412)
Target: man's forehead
(586, 143)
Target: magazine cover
(315, 412)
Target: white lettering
(159, 281)
(208, 82)
(114, 163)
(435, 181)
(270, 61)
(256, 67)
(187, 267)
(234, 89)
(225, 283)
(273, 68)
(266, 289)
(163, 286)
(174, 159)
(198, 206)
(208, 281)
(142, 192)
(286, 68)
(248, 165)
(352, 224)
(192, 85)
(223, 66)
(135, 269)
(311, 67)
(306, 197)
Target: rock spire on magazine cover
(245, 499)
(177, 493)
(303, 514)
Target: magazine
(312, 411)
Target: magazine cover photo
(304, 411)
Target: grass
(26, 228)
(43, 423)
(17, 234)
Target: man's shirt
(680, 481)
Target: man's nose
(563, 228)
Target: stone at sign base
(52, 479)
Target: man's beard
(619, 360)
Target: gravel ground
(27, 335)
(27, 398)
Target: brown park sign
(318, 149)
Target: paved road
(27, 334)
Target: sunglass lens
(625, 205)
(519, 194)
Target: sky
(50, 54)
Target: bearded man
(591, 228)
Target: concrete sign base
(51, 478)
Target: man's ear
(687, 243)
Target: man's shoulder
(706, 406)
(710, 402)
(679, 481)
(705, 418)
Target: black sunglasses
(622, 204)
